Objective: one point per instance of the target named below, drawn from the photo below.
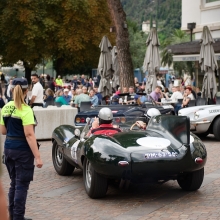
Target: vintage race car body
(124, 115)
(165, 151)
(204, 119)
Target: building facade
(203, 13)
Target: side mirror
(77, 132)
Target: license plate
(160, 155)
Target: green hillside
(166, 12)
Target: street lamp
(191, 26)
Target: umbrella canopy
(208, 64)
(105, 67)
(152, 60)
(115, 67)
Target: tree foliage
(137, 44)
(68, 31)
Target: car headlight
(196, 115)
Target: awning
(192, 57)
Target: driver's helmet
(152, 112)
(105, 114)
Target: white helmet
(105, 114)
(152, 112)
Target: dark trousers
(177, 107)
(37, 104)
(20, 166)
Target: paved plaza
(54, 197)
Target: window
(210, 4)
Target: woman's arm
(185, 101)
(31, 139)
(3, 204)
(3, 129)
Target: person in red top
(103, 124)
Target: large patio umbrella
(115, 67)
(105, 67)
(208, 64)
(152, 60)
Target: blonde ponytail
(18, 95)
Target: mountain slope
(167, 12)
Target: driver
(149, 114)
(103, 124)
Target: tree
(78, 28)
(137, 44)
(67, 31)
(22, 33)
(178, 36)
(122, 43)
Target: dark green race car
(165, 151)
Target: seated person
(66, 96)
(49, 97)
(130, 98)
(59, 98)
(115, 99)
(93, 98)
(140, 99)
(187, 97)
(175, 96)
(81, 97)
(103, 124)
(156, 95)
(149, 114)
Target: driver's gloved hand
(141, 124)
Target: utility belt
(16, 138)
(19, 139)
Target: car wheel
(95, 185)
(191, 181)
(216, 129)
(61, 165)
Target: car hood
(190, 110)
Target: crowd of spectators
(81, 89)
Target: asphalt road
(54, 197)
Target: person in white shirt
(175, 96)
(37, 92)
(176, 93)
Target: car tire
(95, 185)
(216, 128)
(191, 181)
(61, 165)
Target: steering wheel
(139, 124)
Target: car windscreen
(176, 126)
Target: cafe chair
(201, 101)
(84, 106)
(192, 103)
(217, 100)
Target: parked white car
(204, 119)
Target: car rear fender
(105, 154)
